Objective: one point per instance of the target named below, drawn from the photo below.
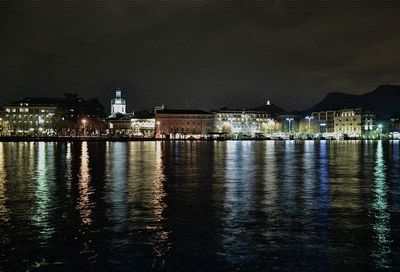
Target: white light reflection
(118, 186)
(309, 176)
(44, 174)
(271, 177)
(84, 206)
(289, 164)
(68, 172)
(240, 170)
(381, 226)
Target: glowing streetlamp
(289, 120)
(309, 122)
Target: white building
(353, 123)
(245, 122)
(118, 104)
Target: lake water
(200, 206)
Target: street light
(309, 122)
(289, 120)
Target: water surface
(200, 206)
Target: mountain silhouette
(384, 101)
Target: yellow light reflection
(4, 212)
(271, 177)
(381, 227)
(84, 205)
(158, 203)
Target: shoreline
(126, 139)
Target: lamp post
(309, 122)
(289, 120)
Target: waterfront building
(139, 124)
(143, 124)
(120, 125)
(29, 116)
(326, 121)
(118, 104)
(243, 122)
(183, 124)
(354, 123)
(63, 116)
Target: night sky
(203, 54)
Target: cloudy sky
(200, 53)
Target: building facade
(140, 124)
(143, 124)
(118, 104)
(326, 120)
(183, 124)
(354, 123)
(248, 123)
(29, 117)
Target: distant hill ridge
(384, 101)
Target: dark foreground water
(223, 206)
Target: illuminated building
(243, 122)
(143, 124)
(183, 124)
(120, 123)
(139, 124)
(353, 123)
(29, 116)
(118, 104)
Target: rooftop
(171, 111)
(37, 101)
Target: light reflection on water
(84, 204)
(381, 225)
(4, 216)
(44, 178)
(200, 206)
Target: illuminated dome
(118, 104)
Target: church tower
(118, 104)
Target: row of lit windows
(25, 110)
(349, 129)
(186, 123)
(31, 122)
(347, 119)
(242, 115)
(27, 116)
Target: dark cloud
(208, 53)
